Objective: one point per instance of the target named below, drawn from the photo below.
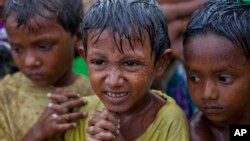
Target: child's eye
(131, 63)
(225, 79)
(194, 78)
(44, 47)
(17, 49)
(98, 62)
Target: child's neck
(140, 107)
(66, 80)
(221, 129)
(135, 122)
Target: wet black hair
(228, 19)
(132, 19)
(68, 13)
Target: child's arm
(103, 125)
(181, 9)
(57, 118)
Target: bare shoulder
(197, 119)
(200, 128)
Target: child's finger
(67, 107)
(65, 126)
(104, 136)
(93, 119)
(66, 92)
(92, 139)
(60, 90)
(71, 117)
(75, 103)
(71, 95)
(58, 125)
(92, 130)
(113, 118)
(57, 108)
(102, 114)
(57, 98)
(107, 125)
(109, 116)
(96, 116)
(62, 97)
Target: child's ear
(163, 62)
(79, 46)
(78, 42)
(82, 52)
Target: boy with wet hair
(43, 35)
(217, 60)
(125, 45)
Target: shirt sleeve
(6, 124)
(170, 125)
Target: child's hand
(103, 125)
(58, 117)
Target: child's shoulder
(13, 80)
(170, 108)
(170, 122)
(9, 85)
(199, 121)
(12, 77)
(170, 112)
(197, 118)
(200, 127)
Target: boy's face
(218, 78)
(120, 80)
(44, 53)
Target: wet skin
(44, 52)
(219, 84)
(122, 80)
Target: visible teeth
(117, 95)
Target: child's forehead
(213, 47)
(106, 40)
(98, 35)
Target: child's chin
(116, 109)
(216, 118)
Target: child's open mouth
(116, 95)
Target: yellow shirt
(79, 133)
(170, 124)
(22, 103)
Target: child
(43, 35)
(125, 46)
(217, 55)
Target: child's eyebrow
(186, 66)
(226, 69)
(12, 43)
(188, 69)
(96, 51)
(47, 38)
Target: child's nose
(31, 60)
(114, 78)
(209, 91)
